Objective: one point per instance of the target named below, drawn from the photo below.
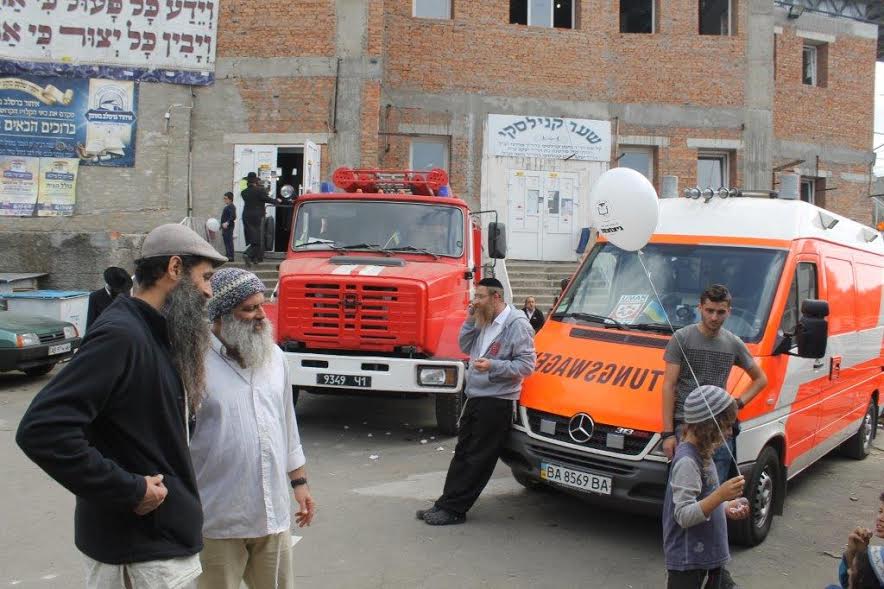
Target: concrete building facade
(716, 92)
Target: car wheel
(448, 408)
(39, 370)
(860, 445)
(763, 490)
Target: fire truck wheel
(296, 392)
(448, 408)
(860, 445)
(763, 487)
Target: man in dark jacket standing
(228, 222)
(112, 427)
(116, 282)
(254, 198)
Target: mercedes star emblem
(580, 428)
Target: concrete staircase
(538, 279)
(267, 270)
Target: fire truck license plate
(574, 478)
(343, 380)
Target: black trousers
(484, 429)
(253, 228)
(227, 235)
(695, 579)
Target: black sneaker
(422, 512)
(727, 582)
(443, 517)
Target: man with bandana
(113, 426)
(246, 450)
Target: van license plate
(586, 481)
(343, 380)
(59, 349)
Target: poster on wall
(553, 138)
(170, 41)
(57, 192)
(18, 185)
(91, 120)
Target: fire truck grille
(354, 315)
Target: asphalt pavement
(373, 461)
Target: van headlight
(70, 332)
(437, 376)
(27, 339)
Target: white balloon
(624, 208)
(213, 225)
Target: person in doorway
(228, 223)
(246, 450)
(534, 315)
(500, 344)
(696, 506)
(113, 427)
(254, 198)
(116, 282)
(704, 354)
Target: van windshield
(612, 289)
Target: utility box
(64, 305)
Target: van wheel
(448, 408)
(860, 445)
(39, 370)
(762, 491)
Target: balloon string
(686, 361)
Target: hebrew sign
(549, 137)
(147, 40)
(91, 120)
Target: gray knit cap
(230, 287)
(696, 410)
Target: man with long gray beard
(112, 426)
(246, 450)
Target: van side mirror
(812, 332)
(496, 240)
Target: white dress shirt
(244, 445)
(493, 329)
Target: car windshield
(612, 288)
(377, 225)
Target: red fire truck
(375, 287)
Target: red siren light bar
(392, 181)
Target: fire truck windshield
(373, 225)
(612, 289)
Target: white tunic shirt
(244, 444)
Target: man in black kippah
(500, 342)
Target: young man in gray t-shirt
(711, 350)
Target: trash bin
(64, 305)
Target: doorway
(542, 208)
(290, 163)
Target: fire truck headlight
(437, 376)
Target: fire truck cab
(375, 287)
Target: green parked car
(35, 344)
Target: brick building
(716, 92)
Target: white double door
(543, 212)
(262, 159)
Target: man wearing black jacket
(253, 211)
(116, 282)
(112, 427)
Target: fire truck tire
(448, 408)
(763, 487)
(296, 392)
(860, 445)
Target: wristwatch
(740, 403)
(665, 435)
(298, 482)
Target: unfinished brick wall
(276, 28)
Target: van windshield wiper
(411, 248)
(607, 321)
(662, 328)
